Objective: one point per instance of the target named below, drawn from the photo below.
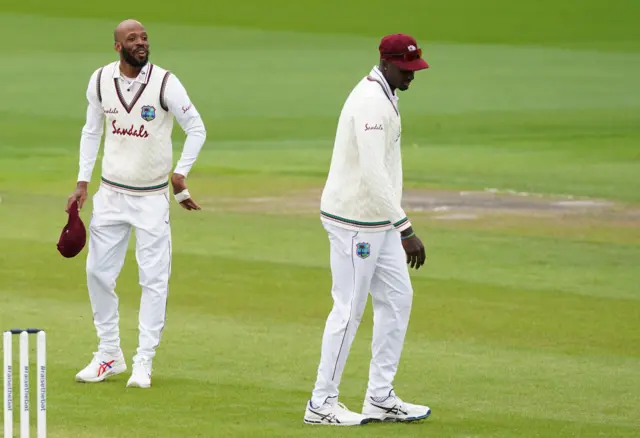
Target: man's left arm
(177, 101)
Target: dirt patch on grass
(470, 205)
(451, 205)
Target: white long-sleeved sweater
(363, 190)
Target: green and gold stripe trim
(149, 189)
(372, 225)
(401, 222)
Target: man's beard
(130, 58)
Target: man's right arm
(89, 142)
(91, 132)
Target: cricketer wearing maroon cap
(400, 57)
(372, 242)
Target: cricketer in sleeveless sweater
(137, 149)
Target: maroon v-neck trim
(129, 107)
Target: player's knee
(404, 299)
(409, 292)
(93, 271)
(355, 320)
(344, 316)
(356, 315)
(96, 273)
(154, 282)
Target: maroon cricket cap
(403, 51)
(74, 235)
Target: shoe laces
(99, 357)
(400, 404)
(343, 409)
(397, 401)
(144, 364)
(338, 408)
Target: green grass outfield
(526, 323)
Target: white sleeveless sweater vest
(138, 155)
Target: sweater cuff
(402, 224)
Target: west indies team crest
(363, 250)
(148, 113)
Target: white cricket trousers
(363, 262)
(114, 216)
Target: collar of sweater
(377, 75)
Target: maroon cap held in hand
(403, 51)
(74, 234)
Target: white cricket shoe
(332, 415)
(392, 408)
(102, 365)
(140, 374)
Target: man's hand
(79, 194)
(416, 255)
(177, 181)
